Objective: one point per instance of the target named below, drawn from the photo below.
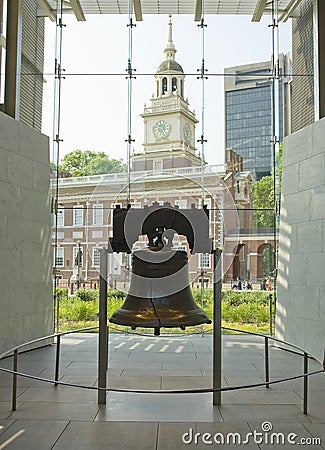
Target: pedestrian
(239, 284)
(263, 284)
(110, 281)
(268, 284)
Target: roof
(169, 64)
(253, 8)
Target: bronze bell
(159, 294)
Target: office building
(249, 112)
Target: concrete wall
(301, 280)
(26, 310)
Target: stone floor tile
(134, 382)
(4, 424)
(317, 430)
(108, 435)
(281, 435)
(274, 413)
(32, 434)
(6, 393)
(58, 394)
(170, 382)
(316, 412)
(160, 408)
(55, 411)
(260, 397)
(85, 380)
(229, 435)
(170, 435)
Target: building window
(58, 235)
(174, 84)
(98, 214)
(164, 85)
(207, 202)
(157, 165)
(204, 260)
(58, 257)
(182, 204)
(78, 215)
(96, 257)
(60, 217)
(77, 235)
(97, 234)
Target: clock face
(187, 133)
(161, 130)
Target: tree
(263, 195)
(263, 202)
(82, 163)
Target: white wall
(300, 315)
(26, 310)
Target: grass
(247, 311)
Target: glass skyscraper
(248, 113)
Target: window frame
(99, 207)
(96, 250)
(57, 256)
(75, 209)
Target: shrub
(116, 294)
(87, 295)
(61, 292)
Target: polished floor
(69, 418)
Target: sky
(94, 101)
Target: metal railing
(267, 383)
(111, 178)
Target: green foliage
(87, 295)
(263, 202)
(236, 298)
(115, 293)
(247, 310)
(82, 163)
(61, 292)
(263, 195)
(73, 309)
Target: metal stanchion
(57, 359)
(14, 381)
(217, 283)
(266, 361)
(103, 335)
(271, 313)
(305, 394)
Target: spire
(170, 50)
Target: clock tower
(169, 124)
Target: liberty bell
(159, 294)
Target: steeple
(169, 124)
(170, 50)
(170, 75)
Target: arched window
(174, 84)
(164, 85)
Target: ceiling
(254, 8)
